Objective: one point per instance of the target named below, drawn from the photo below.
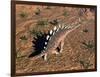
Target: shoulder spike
(59, 26)
(66, 27)
(47, 37)
(51, 32)
(62, 27)
(69, 27)
(55, 28)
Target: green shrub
(23, 38)
(54, 22)
(23, 14)
(65, 13)
(37, 12)
(48, 7)
(85, 30)
(34, 32)
(42, 23)
(88, 45)
(85, 64)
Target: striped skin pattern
(55, 40)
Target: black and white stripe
(52, 33)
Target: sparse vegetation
(43, 23)
(65, 13)
(34, 32)
(19, 54)
(23, 14)
(48, 7)
(82, 11)
(88, 45)
(85, 30)
(54, 22)
(29, 38)
(37, 12)
(85, 64)
(92, 9)
(23, 37)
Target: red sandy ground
(73, 57)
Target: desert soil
(79, 48)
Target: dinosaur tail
(37, 56)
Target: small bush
(48, 7)
(23, 14)
(23, 38)
(37, 12)
(34, 32)
(88, 45)
(19, 54)
(54, 22)
(85, 30)
(42, 22)
(92, 9)
(85, 64)
(82, 11)
(65, 13)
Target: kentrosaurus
(55, 40)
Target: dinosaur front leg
(61, 46)
(45, 57)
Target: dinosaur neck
(70, 30)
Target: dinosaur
(55, 40)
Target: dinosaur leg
(45, 57)
(55, 52)
(61, 46)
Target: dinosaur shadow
(38, 44)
